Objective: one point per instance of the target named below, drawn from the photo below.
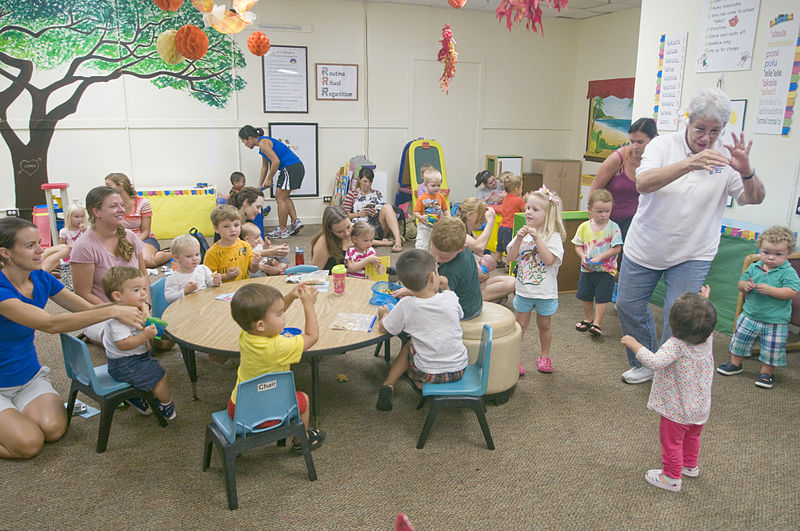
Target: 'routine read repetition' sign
(727, 32)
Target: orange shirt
(511, 205)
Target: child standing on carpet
(769, 285)
(74, 224)
(361, 252)
(238, 182)
(512, 203)
(540, 249)
(436, 352)
(597, 241)
(429, 207)
(681, 391)
(127, 348)
(191, 275)
(261, 313)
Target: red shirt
(510, 206)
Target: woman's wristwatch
(749, 176)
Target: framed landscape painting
(607, 131)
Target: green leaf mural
(87, 42)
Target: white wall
(531, 100)
(776, 158)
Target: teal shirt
(462, 278)
(763, 308)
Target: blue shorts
(597, 286)
(543, 307)
(503, 238)
(152, 241)
(141, 371)
(771, 337)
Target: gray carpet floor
(572, 451)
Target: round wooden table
(200, 321)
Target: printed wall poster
(735, 123)
(777, 91)
(727, 32)
(610, 112)
(285, 74)
(302, 139)
(337, 82)
(671, 58)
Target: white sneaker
(637, 375)
(658, 479)
(691, 472)
(295, 227)
(278, 233)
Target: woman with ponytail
(106, 244)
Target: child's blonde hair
(449, 235)
(113, 279)
(602, 195)
(73, 209)
(362, 230)
(249, 229)
(777, 235)
(183, 242)
(552, 220)
(510, 181)
(469, 206)
(431, 174)
(425, 168)
(225, 213)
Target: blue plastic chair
(467, 392)
(269, 397)
(157, 298)
(96, 383)
(302, 268)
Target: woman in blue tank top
(277, 158)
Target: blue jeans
(636, 285)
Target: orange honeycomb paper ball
(457, 3)
(191, 42)
(169, 5)
(258, 43)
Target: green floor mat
(722, 277)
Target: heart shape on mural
(29, 166)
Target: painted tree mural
(87, 42)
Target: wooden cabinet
(562, 177)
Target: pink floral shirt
(681, 388)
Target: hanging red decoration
(449, 57)
(516, 11)
(456, 4)
(258, 43)
(191, 42)
(169, 5)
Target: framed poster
(285, 75)
(302, 139)
(336, 82)
(610, 116)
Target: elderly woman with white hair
(685, 180)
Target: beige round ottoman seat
(506, 348)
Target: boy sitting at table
(261, 312)
(229, 256)
(436, 352)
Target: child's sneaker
(729, 369)
(691, 472)
(140, 405)
(521, 369)
(544, 365)
(765, 380)
(295, 227)
(168, 410)
(384, 398)
(658, 479)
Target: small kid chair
(467, 392)
(157, 298)
(269, 397)
(302, 268)
(96, 383)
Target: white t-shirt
(173, 286)
(536, 280)
(434, 326)
(680, 221)
(116, 331)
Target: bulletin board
(176, 210)
(302, 140)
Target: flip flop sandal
(583, 326)
(315, 438)
(595, 330)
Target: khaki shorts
(20, 396)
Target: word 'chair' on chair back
(96, 383)
(467, 392)
(267, 399)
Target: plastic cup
(339, 274)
